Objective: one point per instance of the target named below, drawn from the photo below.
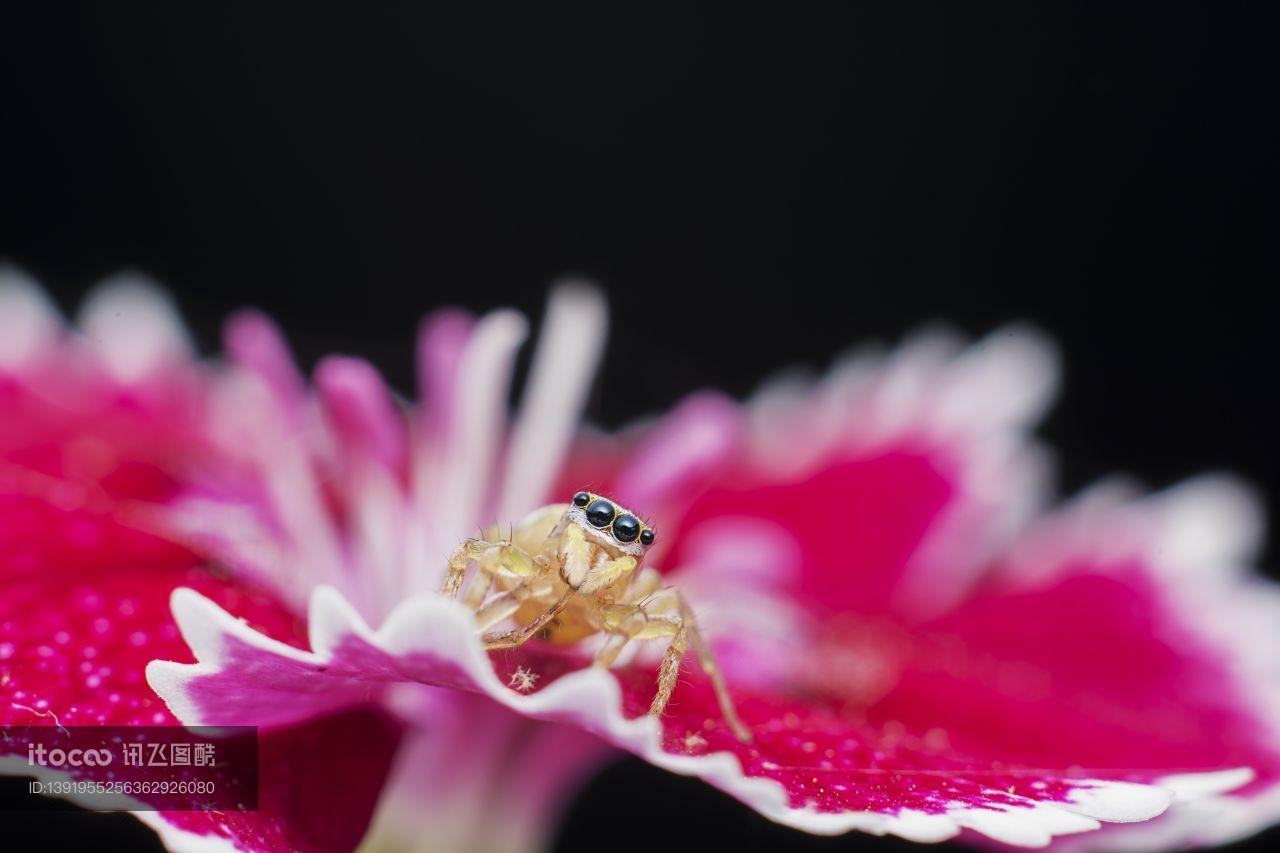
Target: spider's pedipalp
(519, 636)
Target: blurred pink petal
(911, 656)
(854, 520)
(362, 411)
(318, 784)
(90, 444)
(1006, 701)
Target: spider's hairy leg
(623, 623)
(669, 672)
(637, 617)
(466, 553)
(492, 559)
(609, 650)
(707, 660)
(501, 559)
(518, 636)
(686, 635)
(501, 606)
(646, 583)
(538, 526)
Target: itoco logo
(38, 754)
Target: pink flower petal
(254, 342)
(360, 407)
(134, 329)
(1212, 624)
(1131, 688)
(885, 503)
(85, 608)
(850, 524)
(568, 350)
(29, 324)
(462, 462)
(812, 765)
(907, 473)
(442, 340)
(468, 759)
(317, 787)
(99, 437)
(672, 462)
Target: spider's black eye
(646, 537)
(600, 513)
(581, 499)
(626, 528)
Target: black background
(755, 187)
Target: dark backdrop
(756, 188)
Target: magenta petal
(685, 450)
(811, 766)
(134, 331)
(911, 689)
(100, 438)
(885, 503)
(254, 342)
(85, 607)
(1132, 689)
(464, 760)
(360, 407)
(886, 487)
(29, 324)
(317, 787)
(1211, 630)
(442, 340)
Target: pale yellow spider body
(571, 571)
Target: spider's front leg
(624, 623)
(467, 553)
(649, 620)
(519, 636)
(492, 559)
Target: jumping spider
(570, 571)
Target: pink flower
(916, 650)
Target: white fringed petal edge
(434, 628)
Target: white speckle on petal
(523, 679)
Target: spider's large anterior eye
(646, 537)
(600, 513)
(626, 528)
(581, 499)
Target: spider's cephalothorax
(570, 571)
